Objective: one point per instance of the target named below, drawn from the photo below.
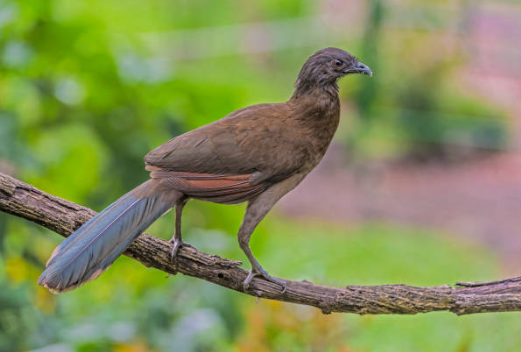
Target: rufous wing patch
(226, 189)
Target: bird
(256, 154)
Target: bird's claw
(175, 248)
(264, 274)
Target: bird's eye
(337, 63)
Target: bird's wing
(224, 189)
(250, 140)
(211, 149)
(216, 162)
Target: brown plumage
(256, 154)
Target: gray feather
(89, 251)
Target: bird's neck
(317, 100)
(318, 109)
(317, 112)
(306, 88)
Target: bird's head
(326, 66)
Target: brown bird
(256, 154)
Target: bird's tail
(91, 249)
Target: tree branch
(63, 217)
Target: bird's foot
(177, 243)
(264, 274)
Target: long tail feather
(89, 251)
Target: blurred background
(421, 185)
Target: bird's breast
(319, 134)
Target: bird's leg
(177, 240)
(256, 268)
(257, 209)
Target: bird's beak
(360, 68)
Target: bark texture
(63, 217)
